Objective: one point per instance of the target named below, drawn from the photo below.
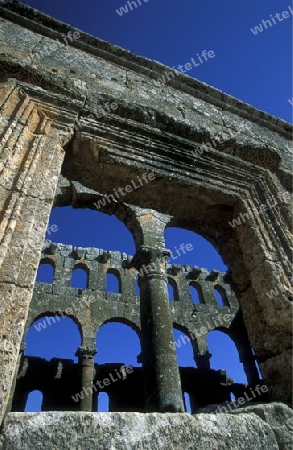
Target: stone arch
(237, 364)
(74, 196)
(186, 338)
(191, 247)
(123, 321)
(44, 361)
(55, 317)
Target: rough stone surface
(258, 428)
(279, 418)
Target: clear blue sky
(255, 68)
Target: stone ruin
(220, 168)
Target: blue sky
(255, 68)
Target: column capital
(147, 255)
(85, 353)
(151, 262)
(151, 225)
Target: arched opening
(53, 336)
(118, 366)
(183, 346)
(225, 356)
(190, 248)
(187, 404)
(113, 281)
(91, 228)
(103, 402)
(34, 401)
(196, 293)
(221, 296)
(117, 342)
(45, 273)
(79, 278)
(173, 290)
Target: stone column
(86, 361)
(161, 373)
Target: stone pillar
(161, 374)
(31, 155)
(246, 356)
(86, 361)
(248, 360)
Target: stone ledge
(135, 431)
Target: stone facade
(57, 149)
(92, 307)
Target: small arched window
(79, 278)
(34, 402)
(221, 296)
(45, 272)
(113, 282)
(196, 293)
(173, 290)
(103, 402)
